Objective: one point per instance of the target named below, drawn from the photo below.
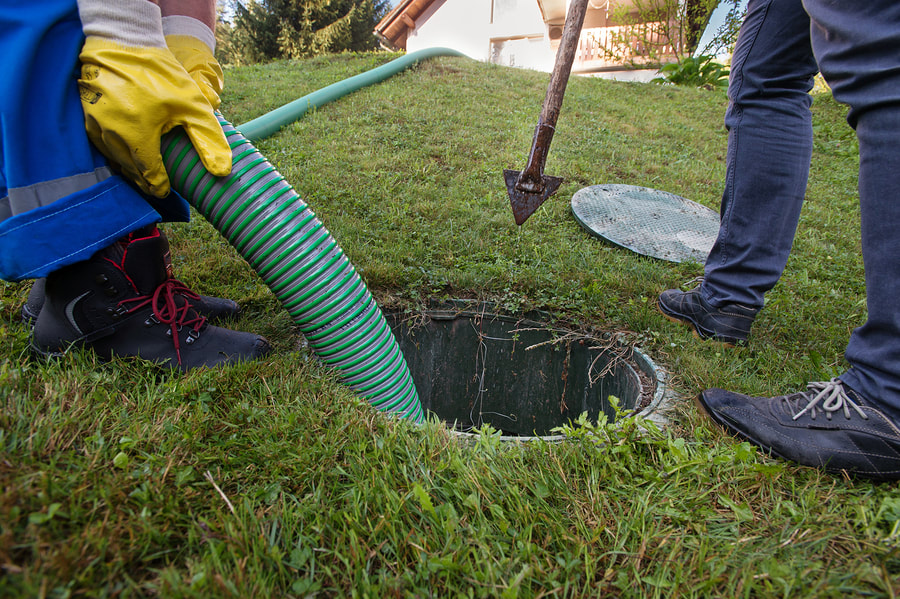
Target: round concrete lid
(647, 221)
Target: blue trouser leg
(769, 150)
(857, 46)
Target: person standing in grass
(90, 87)
(851, 422)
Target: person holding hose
(91, 86)
(851, 423)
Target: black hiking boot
(215, 309)
(729, 324)
(35, 301)
(829, 427)
(123, 302)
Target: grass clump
(272, 479)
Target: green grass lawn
(273, 479)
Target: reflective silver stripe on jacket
(23, 199)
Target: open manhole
(522, 376)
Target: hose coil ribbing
(274, 230)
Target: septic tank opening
(521, 375)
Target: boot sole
(28, 317)
(46, 355)
(50, 355)
(695, 329)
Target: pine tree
(269, 29)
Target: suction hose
(269, 123)
(265, 220)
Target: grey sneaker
(729, 324)
(828, 426)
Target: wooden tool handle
(565, 56)
(531, 177)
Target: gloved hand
(134, 90)
(198, 60)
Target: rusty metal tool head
(529, 188)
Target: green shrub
(695, 71)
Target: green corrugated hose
(271, 122)
(261, 215)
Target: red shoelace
(167, 311)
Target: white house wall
(469, 26)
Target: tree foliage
(725, 35)
(263, 30)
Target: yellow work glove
(198, 60)
(134, 90)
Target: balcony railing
(645, 43)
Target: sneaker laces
(693, 283)
(829, 398)
(167, 311)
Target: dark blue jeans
(782, 43)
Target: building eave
(395, 25)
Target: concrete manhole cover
(647, 221)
